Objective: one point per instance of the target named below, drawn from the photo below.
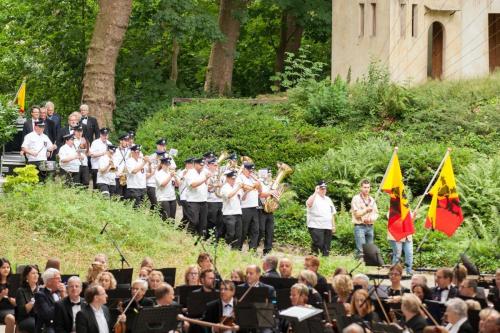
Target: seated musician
(25, 299)
(144, 273)
(139, 288)
(164, 295)
(94, 270)
(459, 275)
(106, 280)
(342, 285)
(204, 262)
(237, 276)
(468, 289)
(310, 280)
(299, 294)
(494, 294)
(94, 317)
(222, 310)
(489, 321)
(155, 279)
(192, 276)
(7, 304)
(286, 268)
(396, 290)
(456, 315)
(67, 308)
(253, 277)
(410, 306)
(207, 279)
(46, 298)
(269, 265)
(422, 292)
(418, 279)
(361, 281)
(148, 263)
(312, 263)
(362, 308)
(102, 259)
(444, 290)
(53, 263)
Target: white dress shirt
(199, 193)
(230, 206)
(167, 192)
(136, 180)
(68, 152)
(97, 147)
(102, 323)
(252, 197)
(38, 143)
(454, 328)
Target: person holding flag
(400, 225)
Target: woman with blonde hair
(310, 279)
(155, 279)
(342, 285)
(95, 269)
(362, 308)
(106, 280)
(192, 276)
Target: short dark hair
(163, 290)
(272, 261)
(91, 292)
(228, 284)
(471, 283)
(34, 107)
(364, 181)
(447, 273)
(203, 256)
(205, 272)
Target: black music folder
(182, 293)
(158, 319)
(197, 303)
(255, 295)
(279, 283)
(168, 275)
(255, 315)
(122, 276)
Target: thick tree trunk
(99, 75)
(219, 75)
(174, 72)
(290, 39)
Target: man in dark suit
(94, 316)
(29, 124)
(68, 307)
(253, 275)
(444, 290)
(68, 129)
(52, 115)
(456, 314)
(50, 127)
(92, 132)
(222, 307)
(45, 300)
(270, 265)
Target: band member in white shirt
(37, 146)
(196, 197)
(320, 220)
(266, 220)
(161, 146)
(231, 210)
(98, 148)
(181, 175)
(136, 177)
(70, 160)
(214, 202)
(120, 159)
(151, 169)
(106, 172)
(249, 202)
(166, 181)
(82, 146)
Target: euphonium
(223, 156)
(271, 204)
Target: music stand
(254, 315)
(325, 290)
(255, 295)
(279, 283)
(159, 319)
(65, 277)
(183, 292)
(304, 320)
(123, 276)
(117, 295)
(14, 282)
(435, 308)
(197, 302)
(372, 256)
(335, 310)
(283, 299)
(168, 275)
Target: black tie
(84, 118)
(228, 306)
(75, 304)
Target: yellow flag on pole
(21, 96)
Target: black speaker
(372, 256)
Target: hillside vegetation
(344, 132)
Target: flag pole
(387, 170)
(415, 211)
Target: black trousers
(214, 219)
(197, 217)
(321, 241)
(151, 193)
(106, 189)
(93, 173)
(250, 222)
(184, 218)
(266, 230)
(84, 175)
(136, 195)
(70, 178)
(168, 209)
(121, 191)
(233, 226)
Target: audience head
(140, 287)
(74, 288)
(207, 279)
(253, 274)
(311, 263)
(422, 292)
(237, 275)
(270, 263)
(489, 321)
(342, 284)
(155, 279)
(444, 276)
(53, 263)
(84, 109)
(35, 112)
(227, 290)
(468, 288)
(192, 276)
(106, 280)
(30, 276)
(410, 306)
(164, 294)
(308, 278)
(286, 268)
(43, 113)
(456, 309)
(360, 281)
(360, 303)
(74, 119)
(51, 278)
(204, 261)
(299, 294)
(418, 279)
(95, 295)
(5, 269)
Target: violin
(121, 326)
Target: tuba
(271, 204)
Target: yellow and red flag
(400, 222)
(445, 213)
(21, 97)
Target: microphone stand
(122, 257)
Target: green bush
(262, 132)
(24, 180)
(329, 104)
(8, 116)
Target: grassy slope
(65, 223)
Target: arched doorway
(435, 51)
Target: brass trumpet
(112, 167)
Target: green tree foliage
(8, 116)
